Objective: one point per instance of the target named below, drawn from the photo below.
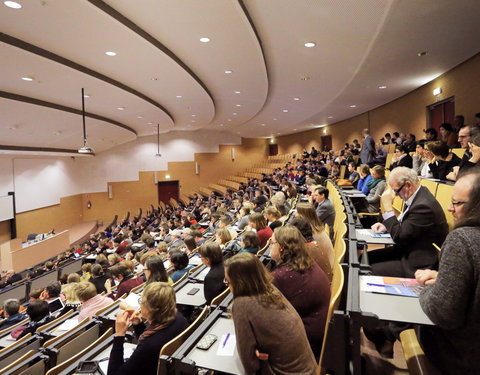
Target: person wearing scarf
(163, 323)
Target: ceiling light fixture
(296, 99)
(149, 123)
(285, 110)
(238, 105)
(330, 117)
(229, 119)
(194, 115)
(27, 78)
(204, 40)
(110, 53)
(237, 92)
(382, 87)
(179, 96)
(139, 116)
(228, 71)
(86, 96)
(353, 106)
(274, 119)
(234, 113)
(304, 78)
(262, 124)
(154, 79)
(121, 108)
(310, 44)
(85, 149)
(12, 4)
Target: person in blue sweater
(250, 243)
(365, 178)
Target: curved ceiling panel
(24, 124)
(233, 46)
(81, 32)
(59, 84)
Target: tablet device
(55, 304)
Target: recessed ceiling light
(194, 115)
(295, 129)
(192, 121)
(110, 53)
(310, 44)
(27, 78)
(121, 108)
(229, 119)
(238, 105)
(86, 96)
(330, 117)
(228, 71)
(12, 4)
(262, 124)
(139, 116)
(234, 113)
(296, 99)
(204, 40)
(423, 53)
(154, 79)
(221, 124)
(382, 87)
(353, 106)
(304, 78)
(179, 96)
(150, 123)
(274, 119)
(285, 110)
(237, 92)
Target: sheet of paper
(132, 300)
(364, 232)
(226, 346)
(67, 325)
(372, 284)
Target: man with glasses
(421, 223)
(464, 137)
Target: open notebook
(391, 285)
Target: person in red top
(258, 222)
(127, 280)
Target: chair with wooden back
(183, 278)
(218, 299)
(62, 366)
(388, 161)
(430, 185)
(31, 363)
(417, 362)
(444, 197)
(56, 322)
(170, 347)
(335, 292)
(340, 246)
(459, 152)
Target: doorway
(272, 149)
(326, 142)
(441, 112)
(167, 190)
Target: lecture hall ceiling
(254, 77)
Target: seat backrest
(459, 152)
(340, 247)
(343, 169)
(430, 185)
(444, 197)
(335, 294)
(398, 204)
(27, 355)
(218, 299)
(388, 161)
(60, 367)
(55, 322)
(184, 277)
(170, 347)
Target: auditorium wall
(406, 114)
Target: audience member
(418, 159)
(376, 187)
(270, 334)
(353, 176)
(440, 160)
(250, 243)
(325, 209)
(431, 135)
(155, 270)
(125, 278)
(11, 310)
(272, 215)
(90, 300)
(98, 278)
(401, 158)
(39, 314)
(180, 264)
(258, 222)
(212, 257)
(365, 178)
(164, 322)
(448, 135)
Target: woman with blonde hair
(321, 243)
(301, 281)
(163, 323)
(222, 236)
(270, 335)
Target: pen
(370, 284)
(226, 339)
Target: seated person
(353, 176)
(421, 223)
(243, 217)
(163, 323)
(52, 290)
(451, 296)
(302, 282)
(180, 264)
(401, 158)
(125, 278)
(10, 278)
(272, 215)
(418, 159)
(364, 179)
(320, 254)
(11, 310)
(98, 278)
(376, 187)
(250, 243)
(325, 209)
(39, 314)
(155, 270)
(90, 300)
(222, 236)
(212, 257)
(257, 221)
(270, 334)
(190, 243)
(440, 160)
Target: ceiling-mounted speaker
(155, 178)
(233, 153)
(197, 168)
(110, 192)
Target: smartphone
(207, 341)
(193, 291)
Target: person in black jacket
(441, 160)
(212, 257)
(98, 278)
(163, 323)
(401, 158)
(11, 308)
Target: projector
(86, 150)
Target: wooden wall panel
(60, 216)
(4, 231)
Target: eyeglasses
(397, 191)
(226, 282)
(463, 136)
(458, 203)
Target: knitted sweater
(453, 304)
